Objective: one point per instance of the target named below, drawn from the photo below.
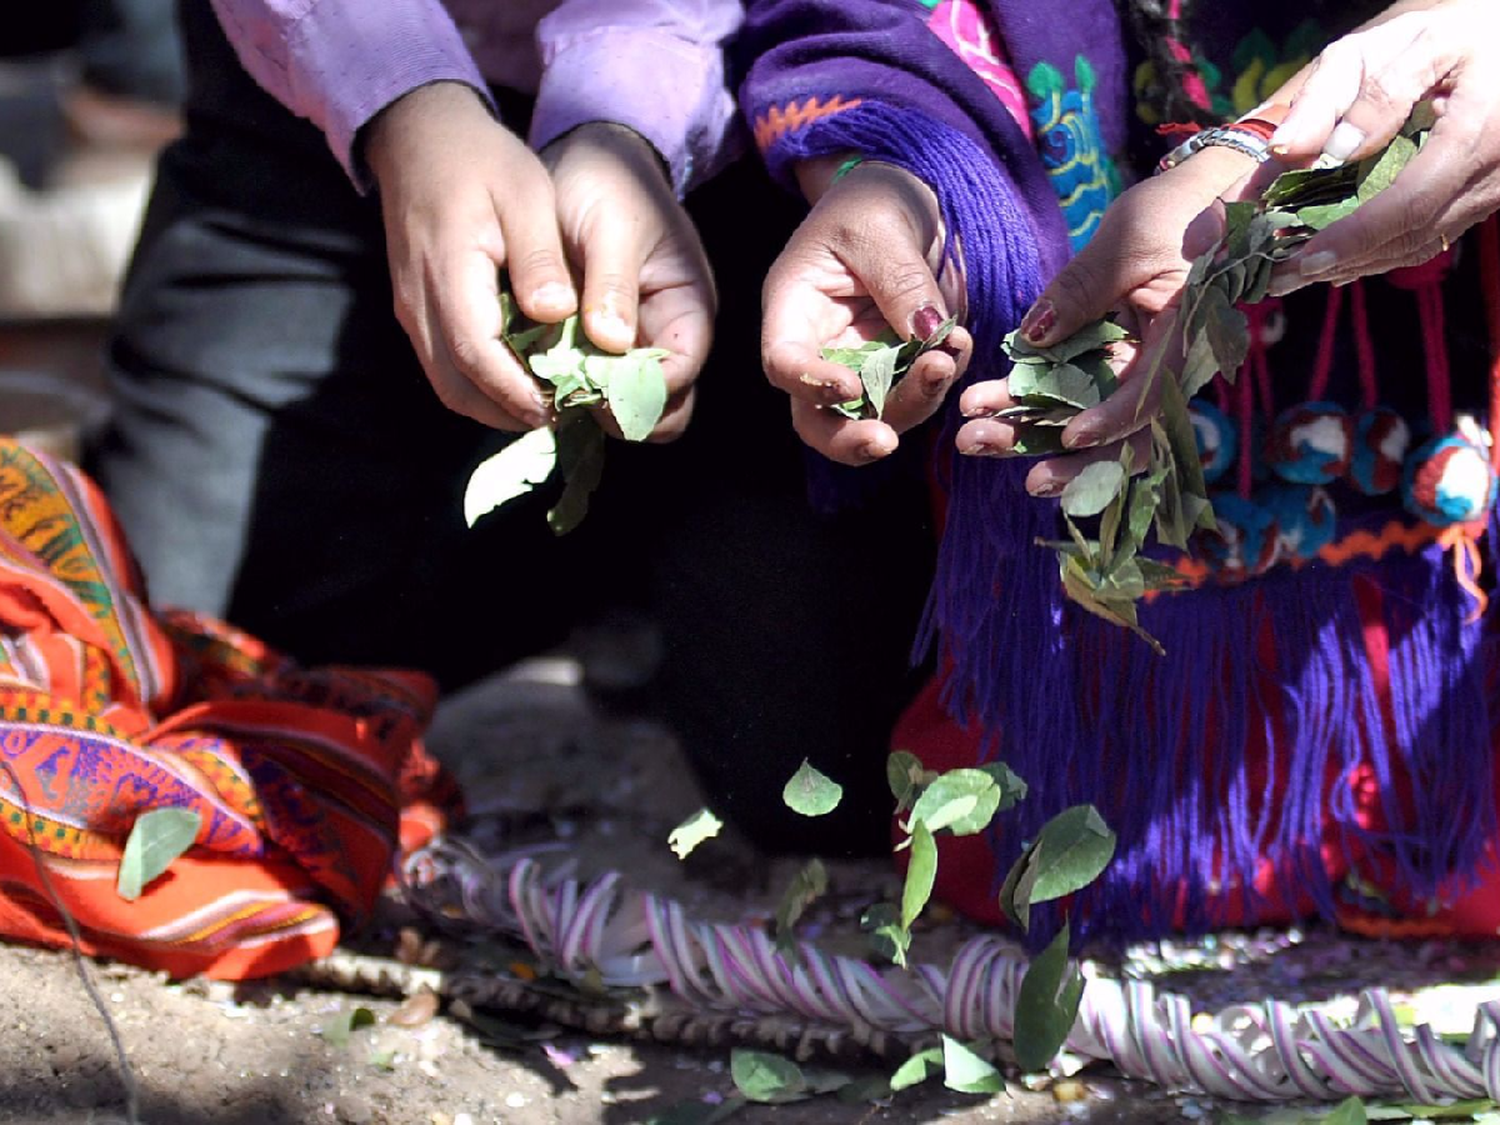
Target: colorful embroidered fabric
(308, 781)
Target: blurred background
(89, 93)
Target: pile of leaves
(579, 378)
(1106, 574)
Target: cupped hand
(867, 257)
(1357, 97)
(1136, 265)
(462, 197)
(646, 279)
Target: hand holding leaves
(581, 378)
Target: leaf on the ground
(702, 825)
(513, 471)
(810, 792)
(1047, 1004)
(767, 1078)
(968, 1073)
(920, 1067)
(383, 1060)
(637, 391)
(806, 887)
(872, 1088)
(344, 1023)
(964, 801)
(699, 1112)
(156, 839)
(1467, 1110)
(1349, 1112)
(1094, 489)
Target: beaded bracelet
(1249, 135)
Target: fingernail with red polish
(935, 388)
(1081, 439)
(1038, 321)
(925, 321)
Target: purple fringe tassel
(1086, 713)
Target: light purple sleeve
(340, 62)
(655, 66)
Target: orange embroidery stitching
(778, 121)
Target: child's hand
(646, 280)
(865, 258)
(462, 196)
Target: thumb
(611, 286)
(1088, 287)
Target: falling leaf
(806, 887)
(1047, 1004)
(921, 873)
(809, 792)
(767, 1078)
(702, 825)
(964, 801)
(336, 1031)
(156, 839)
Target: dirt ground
(271, 1053)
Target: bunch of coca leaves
(578, 377)
(1106, 574)
(881, 363)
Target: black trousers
(278, 458)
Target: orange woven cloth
(308, 782)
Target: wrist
(620, 141)
(414, 116)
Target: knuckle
(539, 263)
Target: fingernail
(1343, 141)
(612, 323)
(935, 387)
(554, 294)
(1310, 265)
(950, 349)
(872, 451)
(979, 449)
(1038, 321)
(1081, 439)
(973, 411)
(821, 384)
(925, 321)
(1050, 487)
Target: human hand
(1359, 94)
(462, 197)
(866, 257)
(646, 279)
(1136, 265)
